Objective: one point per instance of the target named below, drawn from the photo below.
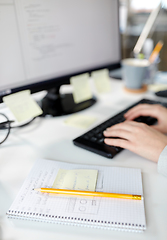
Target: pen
(155, 52)
(89, 193)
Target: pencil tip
(36, 189)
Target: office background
(133, 16)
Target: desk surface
(50, 138)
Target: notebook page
(107, 212)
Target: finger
(127, 125)
(119, 133)
(147, 111)
(136, 108)
(123, 143)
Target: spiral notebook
(98, 212)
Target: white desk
(50, 138)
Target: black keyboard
(93, 140)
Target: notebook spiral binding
(72, 220)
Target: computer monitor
(43, 43)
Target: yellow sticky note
(80, 121)
(22, 105)
(157, 87)
(102, 80)
(76, 179)
(81, 88)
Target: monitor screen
(45, 42)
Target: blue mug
(134, 72)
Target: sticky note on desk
(76, 179)
(157, 87)
(22, 105)
(102, 80)
(81, 88)
(80, 121)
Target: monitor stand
(56, 104)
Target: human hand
(138, 138)
(157, 111)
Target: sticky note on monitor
(81, 87)
(102, 80)
(76, 179)
(22, 105)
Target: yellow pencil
(89, 193)
(155, 52)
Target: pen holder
(152, 71)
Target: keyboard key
(85, 136)
(99, 135)
(93, 139)
(101, 141)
